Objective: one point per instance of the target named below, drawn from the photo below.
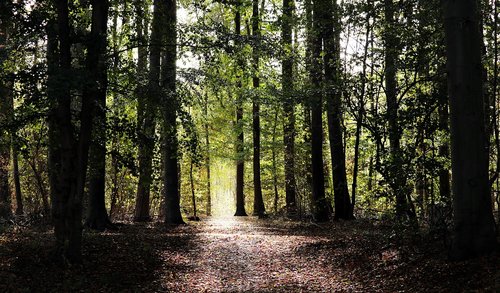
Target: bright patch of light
(223, 185)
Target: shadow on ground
(125, 260)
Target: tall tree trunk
(193, 194)
(444, 148)
(42, 189)
(146, 113)
(5, 115)
(361, 110)
(288, 107)
(240, 197)
(258, 202)
(17, 180)
(397, 175)
(320, 204)
(275, 167)
(474, 227)
(170, 106)
(306, 103)
(97, 217)
(331, 36)
(207, 157)
(72, 151)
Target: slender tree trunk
(306, 103)
(331, 33)
(42, 189)
(17, 181)
(320, 205)
(288, 107)
(207, 157)
(97, 217)
(5, 115)
(191, 181)
(258, 202)
(275, 167)
(240, 197)
(444, 148)
(361, 112)
(170, 106)
(146, 116)
(474, 227)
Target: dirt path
(242, 255)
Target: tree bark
(17, 180)
(258, 202)
(397, 175)
(207, 158)
(5, 115)
(275, 167)
(193, 194)
(170, 106)
(320, 205)
(474, 227)
(361, 110)
(146, 109)
(240, 197)
(333, 93)
(97, 217)
(288, 107)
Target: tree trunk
(207, 157)
(97, 217)
(474, 227)
(69, 154)
(258, 202)
(240, 197)
(146, 110)
(17, 181)
(275, 167)
(170, 106)
(288, 107)
(397, 175)
(5, 116)
(361, 111)
(320, 206)
(42, 189)
(193, 196)
(331, 35)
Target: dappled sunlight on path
(248, 255)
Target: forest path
(249, 255)
(242, 255)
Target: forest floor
(243, 255)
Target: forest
(249, 146)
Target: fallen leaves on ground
(243, 255)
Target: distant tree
(474, 226)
